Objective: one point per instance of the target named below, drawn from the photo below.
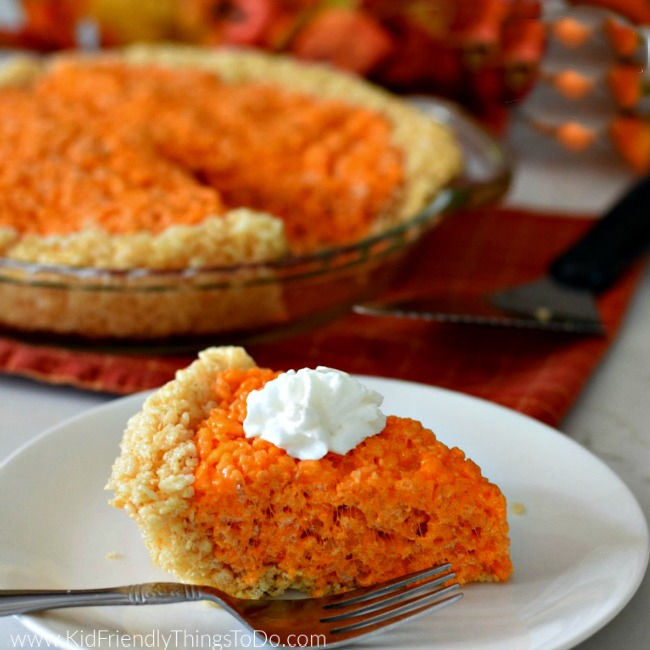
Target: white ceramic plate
(580, 548)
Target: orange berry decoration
(575, 136)
(571, 32)
(572, 84)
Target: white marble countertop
(611, 418)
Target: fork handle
(22, 601)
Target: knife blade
(563, 299)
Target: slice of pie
(241, 514)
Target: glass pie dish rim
(442, 200)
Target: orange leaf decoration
(214, 22)
(523, 41)
(250, 18)
(571, 32)
(409, 65)
(625, 84)
(479, 22)
(50, 24)
(574, 136)
(526, 9)
(483, 53)
(572, 84)
(347, 38)
(623, 38)
(631, 137)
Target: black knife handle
(618, 238)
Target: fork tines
(391, 602)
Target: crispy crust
(152, 478)
(239, 236)
(431, 155)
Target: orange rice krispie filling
(399, 502)
(128, 148)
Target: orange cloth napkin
(538, 373)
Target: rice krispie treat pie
(256, 482)
(168, 157)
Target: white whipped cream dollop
(312, 412)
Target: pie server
(563, 299)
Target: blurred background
(563, 83)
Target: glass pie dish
(182, 309)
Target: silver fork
(321, 622)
